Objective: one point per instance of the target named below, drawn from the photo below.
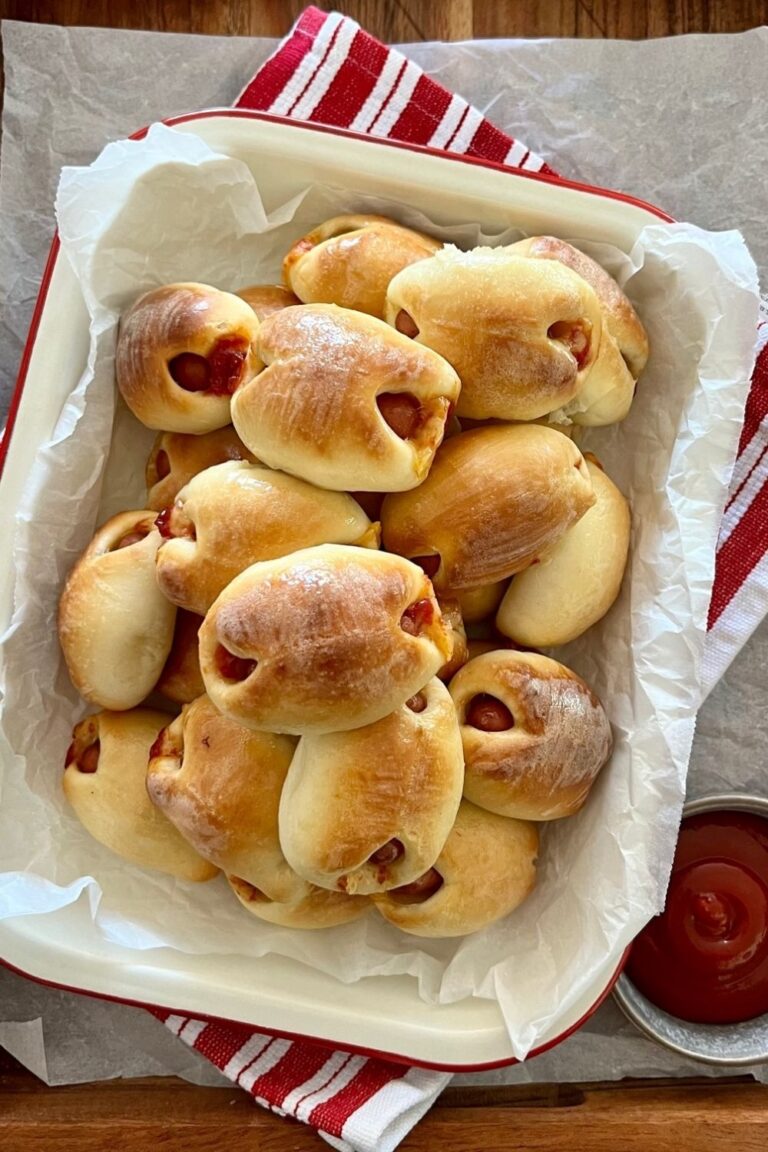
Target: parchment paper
(92, 110)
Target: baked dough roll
(115, 625)
(235, 514)
(318, 909)
(177, 456)
(181, 679)
(181, 352)
(495, 499)
(451, 610)
(350, 261)
(368, 810)
(345, 401)
(535, 736)
(577, 580)
(522, 334)
(485, 870)
(610, 386)
(265, 299)
(105, 782)
(477, 604)
(323, 640)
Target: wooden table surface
(629, 1116)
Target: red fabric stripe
(423, 112)
(457, 129)
(332, 1115)
(273, 76)
(737, 491)
(742, 551)
(319, 66)
(268, 1042)
(757, 400)
(390, 94)
(300, 1063)
(325, 1083)
(219, 1044)
(353, 83)
(489, 143)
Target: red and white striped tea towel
(330, 71)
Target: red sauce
(226, 364)
(705, 958)
(233, 667)
(417, 617)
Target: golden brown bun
(316, 409)
(534, 749)
(236, 514)
(506, 323)
(576, 581)
(368, 810)
(451, 610)
(477, 604)
(494, 500)
(610, 386)
(213, 331)
(350, 261)
(177, 456)
(115, 625)
(265, 299)
(318, 909)
(105, 782)
(487, 868)
(327, 627)
(181, 679)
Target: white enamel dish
(383, 1016)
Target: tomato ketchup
(705, 958)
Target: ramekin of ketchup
(704, 959)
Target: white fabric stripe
(297, 82)
(253, 1045)
(176, 1023)
(533, 163)
(742, 502)
(734, 626)
(383, 1121)
(327, 73)
(320, 1078)
(341, 1078)
(381, 90)
(515, 154)
(463, 139)
(267, 1060)
(192, 1030)
(751, 454)
(447, 125)
(402, 94)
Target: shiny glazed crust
(543, 767)
(488, 312)
(324, 625)
(115, 625)
(265, 299)
(112, 801)
(186, 456)
(318, 909)
(488, 866)
(165, 323)
(350, 261)
(610, 386)
(494, 500)
(577, 580)
(313, 410)
(220, 785)
(348, 794)
(236, 514)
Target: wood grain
(139, 1115)
(407, 20)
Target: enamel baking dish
(379, 1015)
